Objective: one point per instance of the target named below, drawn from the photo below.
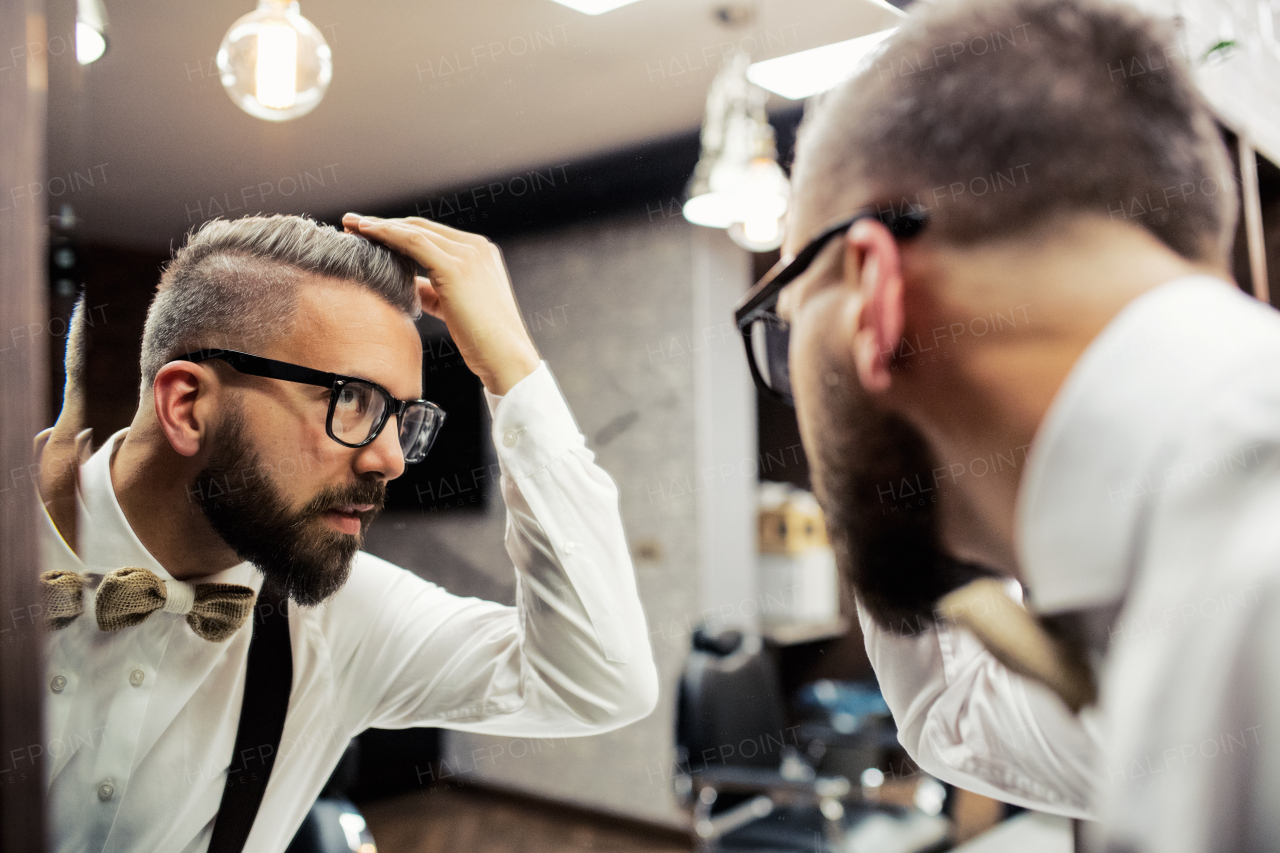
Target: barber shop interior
(724, 426)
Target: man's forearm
(585, 627)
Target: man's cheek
(812, 414)
(814, 354)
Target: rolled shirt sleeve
(572, 657)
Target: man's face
(868, 463)
(282, 493)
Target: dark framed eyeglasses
(358, 408)
(766, 335)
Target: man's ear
(873, 266)
(181, 391)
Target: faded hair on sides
(234, 283)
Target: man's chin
(312, 567)
(308, 585)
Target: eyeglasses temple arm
(256, 365)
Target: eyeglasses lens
(418, 428)
(357, 412)
(770, 341)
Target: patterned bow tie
(127, 596)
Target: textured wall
(619, 309)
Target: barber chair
(749, 779)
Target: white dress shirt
(1151, 496)
(141, 722)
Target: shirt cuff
(532, 424)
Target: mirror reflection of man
(282, 386)
(1002, 249)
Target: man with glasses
(1007, 323)
(282, 389)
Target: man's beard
(873, 476)
(296, 552)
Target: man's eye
(349, 398)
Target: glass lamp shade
(711, 209)
(737, 183)
(749, 201)
(274, 63)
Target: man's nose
(382, 457)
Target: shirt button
(58, 683)
(106, 791)
(510, 437)
(570, 547)
(136, 677)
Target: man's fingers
(444, 236)
(447, 232)
(433, 250)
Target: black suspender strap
(262, 711)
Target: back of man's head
(1000, 114)
(235, 283)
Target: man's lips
(347, 517)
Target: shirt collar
(1108, 431)
(106, 539)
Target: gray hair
(999, 114)
(234, 284)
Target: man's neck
(152, 486)
(981, 404)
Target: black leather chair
(747, 776)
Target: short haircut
(1000, 114)
(234, 284)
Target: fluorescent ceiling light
(799, 75)
(594, 7)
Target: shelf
(791, 634)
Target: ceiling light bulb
(275, 70)
(762, 230)
(274, 63)
(91, 31)
(761, 204)
(90, 45)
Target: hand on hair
(61, 457)
(467, 287)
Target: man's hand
(467, 287)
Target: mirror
(569, 139)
